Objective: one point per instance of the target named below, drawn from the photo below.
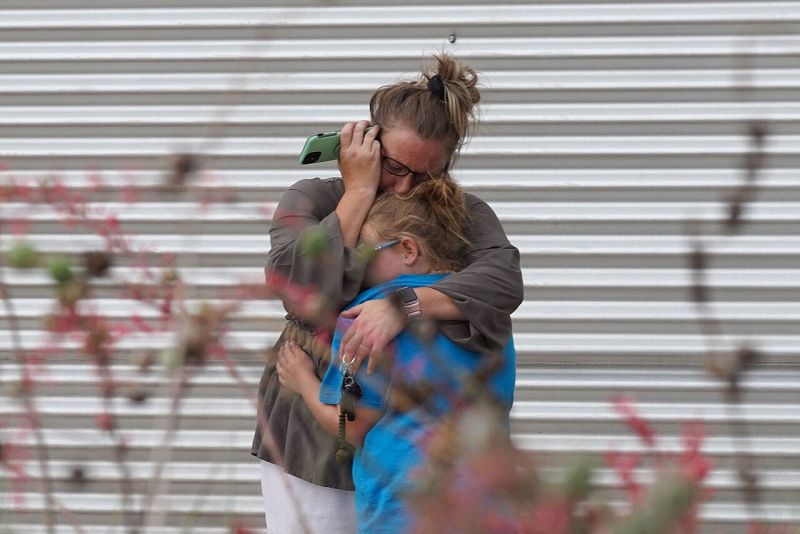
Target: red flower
(625, 464)
(140, 324)
(105, 422)
(694, 465)
(627, 408)
(550, 517)
(240, 528)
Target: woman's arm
(296, 372)
(316, 224)
(306, 246)
(360, 165)
(489, 288)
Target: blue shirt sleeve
(331, 388)
(373, 387)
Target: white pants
(326, 510)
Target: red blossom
(166, 308)
(128, 195)
(241, 528)
(625, 464)
(95, 180)
(112, 222)
(120, 330)
(64, 323)
(550, 517)
(168, 260)
(218, 351)
(105, 421)
(694, 464)
(23, 192)
(140, 324)
(19, 227)
(626, 406)
(305, 301)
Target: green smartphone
(320, 147)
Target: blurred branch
(729, 364)
(26, 396)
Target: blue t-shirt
(383, 467)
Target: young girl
(416, 240)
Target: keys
(351, 392)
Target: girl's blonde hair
(433, 214)
(442, 109)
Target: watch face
(406, 295)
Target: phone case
(320, 147)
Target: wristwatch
(407, 298)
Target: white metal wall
(608, 130)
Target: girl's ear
(409, 250)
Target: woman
(417, 240)
(422, 124)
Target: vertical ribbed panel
(608, 132)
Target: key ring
(344, 367)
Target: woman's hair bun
(440, 105)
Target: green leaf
(23, 256)
(60, 269)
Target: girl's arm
(296, 372)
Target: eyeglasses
(385, 244)
(392, 166)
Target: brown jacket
(487, 290)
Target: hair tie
(436, 86)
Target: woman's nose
(403, 184)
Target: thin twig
(153, 517)
(268, 439)
(30, 408)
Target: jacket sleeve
(306, 248)
(489, 287)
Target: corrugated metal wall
(608, 131)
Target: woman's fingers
(355, 348)
(346, 135)
(352, 313)
(354, 134)
(358, 132)
(371, 134)
(361, 352)
(359, 157)
(350, 346)
(376, 323)
(376, 355)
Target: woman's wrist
(361, 193)
(352, 211)
(435, 305)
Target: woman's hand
(375, 324)
(360, 157)
(295, 368)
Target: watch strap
(407, 298)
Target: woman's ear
(409, 250)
